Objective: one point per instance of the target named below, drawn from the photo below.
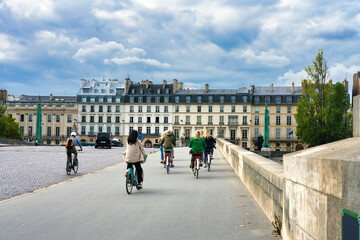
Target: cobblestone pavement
(28, 168)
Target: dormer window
(102, 90)
(132, 91)
(150, 90)
(167, 90)
(141, 91)
(159, 91)
(96, 91)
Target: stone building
(58, 120)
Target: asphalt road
(170, 206)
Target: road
(170, 206)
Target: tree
(9, 128)
(322, 111)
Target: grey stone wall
(356, 116)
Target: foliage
(322, 111)
(9, 128)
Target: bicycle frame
(167, 155)
(208, 159)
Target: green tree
(9, 128)
(322, 111)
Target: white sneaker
(191, 170)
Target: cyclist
(210, 145)
(168, 142)
(161, 151)
(133, 153)
(197, 145)
(70, 147)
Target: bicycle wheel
(129, 184)
(68, 166)
(167, 164)
(76, 166)
(197, 173)
(209, 162)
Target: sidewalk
(170, 206)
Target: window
(83, 99)
(57, 118)
(68, 131)
(91, 130)
(211, 99)
(92, 108)
(165, 129)
(244, 144)
(278, 133)
(140, 99)
(139, 119)
(233, 99)
(267, 99)
(176, 119)
(221, 108)
(83, 130)
(118, 100)
(166, 100)
(289, 109)
(108, 108)
(117, 131)
(188, 99)
(159, 91)
(245, 98)
(288, 99)
(244, 120)
(288, 133)
(256, 133)
(22, 131)
(277, 109)
(92, 119)
(166, 119)
(131, 99)
(256, 120)
(222, 99)
(148, 99)
(148, 130)
(221, 122)
(92, 99)
(148, 109)
(232, 134)
(199, 98)
(187, 122)
(187, 108)
(176, 133)
(257, 109)
(288, 120)
(83, 119)
(49, 118)
(100, 108)
(108, 120)
(69, 118)
(108, 129)
(30, 117)
(278, 100)
(157, 108)
(233, 120)
(141, 91)
(232, 108)
(130, 129)
(177, 99)
(210, 108)
(210, 120)
(83, 109)
(167, 91)
(140, 109)
(187, 133)
(278, 120)
(157, 119)
(100, 119)
(148, 119)
(117, 119)
(257, 99)
(244, 134)
(244, 109)
(21, 117)
(157, 130)
(57, 132)
(157, 99)
(198, 120)
(199, 108)
(100, 129)
(131, 108)
(140, 129)
(166, 109)
(131, 120)
(176, 108)
(48, 132)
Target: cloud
(9, 48)
(291, 77)
(268, 58)
(128, 17)
(130, 60)
(39, 9)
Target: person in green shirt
(197, 145)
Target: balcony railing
(176, 122)
(233, 123)
(187, 123)
(210, 123)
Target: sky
(47, 46)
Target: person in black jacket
(210, 145)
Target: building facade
(58, 117)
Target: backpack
(70, 143)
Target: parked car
(116, 143)
(156, 145)
(103, 140)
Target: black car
(103, 140)
(116, 142)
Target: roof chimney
(51, 97)
(128, 82)
(206, 87)
(292, 88)
(164, 83)
(175, 85)
(346, 85)
(252, 87)
(355, 90)
(272, 87)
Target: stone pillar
(356, 116)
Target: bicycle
(197, 166)
(167, 159)
(131, 178)
(70, 164)
(208, 159)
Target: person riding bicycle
(133, 157)
(210, 145)
(168, 142)
(197, 145)
(70, 147)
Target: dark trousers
(194, 154)
(74, 151)
(138, 170)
